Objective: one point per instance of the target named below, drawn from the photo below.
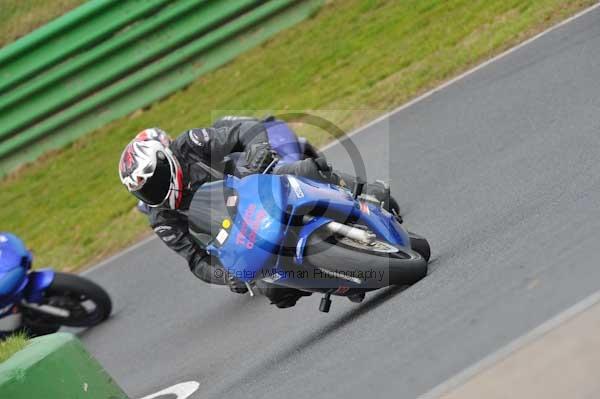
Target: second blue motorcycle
(41, 301)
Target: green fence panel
(56, 366)
(37, 38)
(98, 53)
(86, 31)
(72, 82)
(135, 69)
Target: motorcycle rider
(164, 174)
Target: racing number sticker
(250, 226)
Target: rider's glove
(323, 165)
(235, 285)
(207, 268)
(259, 157)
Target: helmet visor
(156, 188)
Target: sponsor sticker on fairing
(364, 208)
(222, 236)
(342, 290)
(232, 200)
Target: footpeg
(325, 304)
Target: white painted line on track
(181, 391)
(387, 115)
(487, 362)
(463, 75)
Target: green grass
(20, 17)
(354, 54)
(11, 345)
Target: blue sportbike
(41, 301)
(294, 232)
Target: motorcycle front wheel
(391, 265)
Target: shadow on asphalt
(371, 303)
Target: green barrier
(46, 32)
(112, 60)
(142, 64)
(99, 53)
(71, 34)
(56, 366)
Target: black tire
(404, 267)
(69, 291)
(420, 245)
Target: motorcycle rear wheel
(88, 304)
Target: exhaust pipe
(353, 233)
(47, 309)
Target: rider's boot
(319, 169)
(379, 190)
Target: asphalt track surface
(499, 170)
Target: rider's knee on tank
(381, 191)
(319, 169)
(378, 191)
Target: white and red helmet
(150, 171)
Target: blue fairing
(340, 203)
(12, 284)
(253, 241)
(11, 280)
(257, 230)
(13, 252)
(14, 261)
(17, 284)
(39, 281)
(16, 281)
